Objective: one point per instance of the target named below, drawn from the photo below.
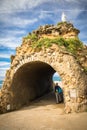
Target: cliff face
(43, 52)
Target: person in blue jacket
(58, 93)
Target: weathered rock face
(63, 29)
(30, 76)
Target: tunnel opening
(57, 79)
(31, 81)
(58, 87)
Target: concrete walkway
(44, 114)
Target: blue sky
(19, 17)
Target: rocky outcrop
(32, 68)
(63, 29)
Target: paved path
(44, 114)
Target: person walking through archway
(58, 93)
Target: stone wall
(54, 60)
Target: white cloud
(44, 14)
(11, 38)
(10, 35)
(72, 14)
(4, 55)
(9, 20)
(76, 1)
(13, 20)
(1, 78)
(85, 42)
(2, 72)
(19, 5)
(15, 32)
(26, 5)
(3, 64)
(11, 42)
(4, 69)
(22, 22)
(72, 1)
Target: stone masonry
(31, 71)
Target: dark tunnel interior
(32, 80)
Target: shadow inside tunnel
(48, 99)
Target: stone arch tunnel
(34, 63)
(31, 81)
(30, 76)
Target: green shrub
(46, 42)
(60, 41)
(42, 42)
(71, 45)
(74, 45)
